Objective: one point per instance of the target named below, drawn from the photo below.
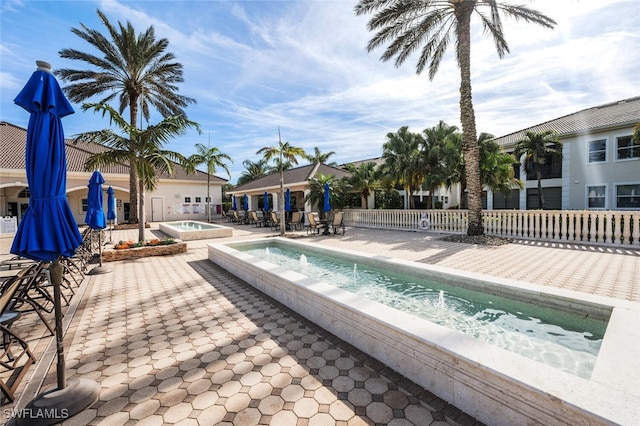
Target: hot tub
(187, 230)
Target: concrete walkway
(177, 340)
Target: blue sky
(303, 66)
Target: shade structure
(111, 204)
(266, 202)
(95, 217)
(287, 200)
(245, 202)
(326, 205)
(234, 205)
(48, 229)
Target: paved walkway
(177, 340)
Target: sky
(302, 67)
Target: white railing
(613, 228)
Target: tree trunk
(208, 198)
(133, 193)
(540, 193)
(141, 211)
(281, 199)
(467, 118)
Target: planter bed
(138, 252)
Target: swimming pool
(492, 384)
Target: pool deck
(177, 340)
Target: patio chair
(14, 348)
(236, 217)
(296, 220)
(253, 218)
(225, 216)
(337, 223)
(312, 223)
(275, 221)
(32, 293)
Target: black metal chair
(14, 348)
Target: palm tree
(434, 152)
(141, 148)
(282, 151)
(253, 170)
(430, 25)
(135, 69)
(636, 133)
(213, 158)
(364, 179)
(536, 147)
(401, 160)
(315, 197)
(496, 166)
(321, 157)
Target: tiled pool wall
(211, 231)
(489, 383)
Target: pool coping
(492, 384)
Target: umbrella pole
(67, 400)
(100, 269)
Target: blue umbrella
(245, 202)
(233, 204)
(111, 204)
(48, 229)
(327, 203)
(95, 217)
(287, 200)
(266, 201)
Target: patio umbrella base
(99, 270)
(58, 405)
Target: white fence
(619, 228)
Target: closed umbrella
(111, 208)
(48, 229)
(287, 200)
(326, 206)
(95, 217)
(245, 202)
(233, 204)
(266, 201)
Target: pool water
(560, 339)
(188, 225)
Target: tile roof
(12, 155)
(621, 113)
(299, 175)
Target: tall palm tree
(141, 148)
(321, 157)
(401, 155)
(253, 170)
(135, 69)
(315, 197)
(536, 147)
(364, 179)
(213, 158)
(429, 26)
(282, 151)
(636, 133)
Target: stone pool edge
(492, 384)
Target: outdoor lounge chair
(13, 348)
(312, 224)
(32, 293)
(296, 220)
(253, 218)
(235, 218)
(337, 223)
(275, 221)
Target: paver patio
(177, 340)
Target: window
(25, 193)
(626, 148)
(596, 196)
(628, 196)
(85, 205)
(598, 151)
(187, 199)
(198, 199)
